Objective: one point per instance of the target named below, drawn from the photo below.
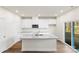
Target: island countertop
(40, 37)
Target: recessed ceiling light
(17, 11)
(61, 11)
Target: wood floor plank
(61, 48)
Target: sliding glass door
(68, 33)
(76, 35)
(72, 34)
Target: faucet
(37, 33)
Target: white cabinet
(43, 23)
(26, 23)
(44, 26)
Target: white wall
(9, 29)
(68, 17)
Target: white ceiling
(39, 10)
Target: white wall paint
(9, 29)
(68, 17)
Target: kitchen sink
(38, 34)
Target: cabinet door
(68, 33)
(26, 23)
(43, 23)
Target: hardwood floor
(61, 48)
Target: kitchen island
(39, 43)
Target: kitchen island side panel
(39, 45)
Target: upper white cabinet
(43, 23)
(26, 23)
